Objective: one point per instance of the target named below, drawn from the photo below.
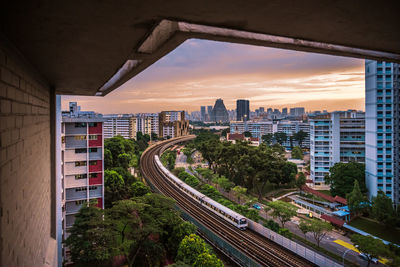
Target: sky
(200, 71)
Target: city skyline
(198, 72)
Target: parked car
(365, 257)
(257, 206)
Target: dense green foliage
(382, 210)
(300, 136)
(195, 252)
(355, 199)
(168, 159)
(342, 177)
(297, 153)
(301, 180)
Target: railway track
(263, 251)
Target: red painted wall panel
(96, 130)
(99, 203)
(97, 142)
(96, 180)
(96, 168)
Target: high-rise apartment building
(117, 124)
(173, 124)
(82, 164)
(242, 110)
(146, 123)
(335, 137)
(382, 128)
(219, 112)
(290, 128)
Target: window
(80, 137)
(79, 202)
(93, 162)
(93, 137)
(92, 187)
(93, 175)
(92, 124)
(79, 189)
(80, 176)
(80, 150)
(80, 124)
(80, 163)
(93, 150)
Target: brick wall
(25, 168)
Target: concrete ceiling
(78, 46)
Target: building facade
(382, 128)
(173, 124)
(242, 110)
(82, 171)
(117, 124)
(219, 112)
(257, 128)
(335, 137)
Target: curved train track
(260, 249)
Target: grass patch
(376, 229)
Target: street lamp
(344, 254)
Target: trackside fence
(302, 251)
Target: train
(225, 213)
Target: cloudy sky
(199, 71)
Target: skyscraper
(284, 111)
(203, 113)
(299, 111)
(219, 112)
(242, 110)
(382, 128)
(209, 111)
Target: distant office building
(276, 111)
(219, 112)
(257, 129)
(284, 111)
(173, 124)
(209, 112)
(297, 111)
(382, 104)
(242, 110)
(261, 109)
(82, 168)
(203, 113)
(269, 110)
(117, 124)
(335, 137)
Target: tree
(304, 227)
(301, 180)
(239, 192)
(280, 137)
(355, 199)
(190, 248)
(300, 136)
(289, 172)
(207, 260)
(267, 138)
(281, 210)
(139, 189)
(342, 177)
(382, 209)
(91, 240)
(224, 183)
(168, 159)
(297, 153)
(114, 187)
(108, 159)
(179, 231)
(247, 134)
(371, 247)
(319, 229)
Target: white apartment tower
(335, 137)
(382, 128)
